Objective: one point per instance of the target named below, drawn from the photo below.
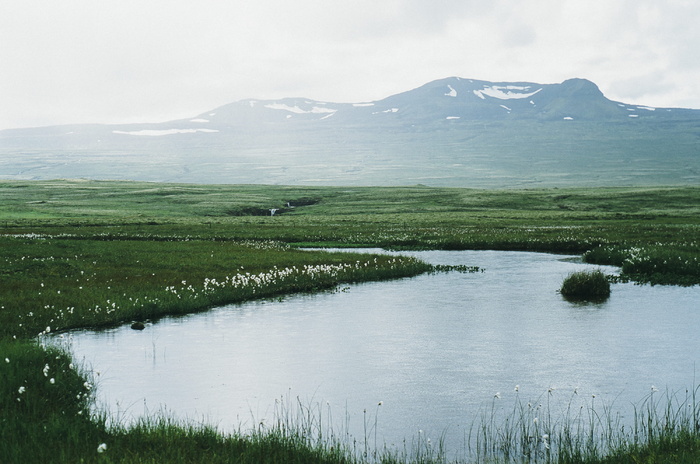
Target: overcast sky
(109, 61)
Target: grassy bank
(65, 283)
(46, 418)
(54, 284)
(45, 401)
(90, 254)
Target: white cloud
(129, 61)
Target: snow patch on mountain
(390, 110)
(507, 92)
(452, 92)
(362, 104)
(199, 120)
(295, 109)
(159, 133)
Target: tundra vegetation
(93, 254)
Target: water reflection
(433, 349)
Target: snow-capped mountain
(448, 99)
(453, 131)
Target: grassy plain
(652, 233)
(85, 253)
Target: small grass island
(586, 286)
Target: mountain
(451, 99)
(449, 132)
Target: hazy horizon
(79, 62)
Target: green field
(653, 233)
(99, 253)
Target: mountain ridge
(572, 98)
(469, 99)
(447, 132)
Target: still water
(434, 350)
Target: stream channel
(438, 351)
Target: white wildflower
(545, 441)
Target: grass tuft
(586, 286)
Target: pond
(435, 350)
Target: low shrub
(586, 286)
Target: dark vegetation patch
(590, 286)
(249, 211)
(303, 201)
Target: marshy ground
(88, 254)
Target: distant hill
(449, 132)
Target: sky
(109, 61)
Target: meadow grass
(664, 427)
(91, 254)
(64, 283)
(609, 225)
(45, 406)
(655, 263)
